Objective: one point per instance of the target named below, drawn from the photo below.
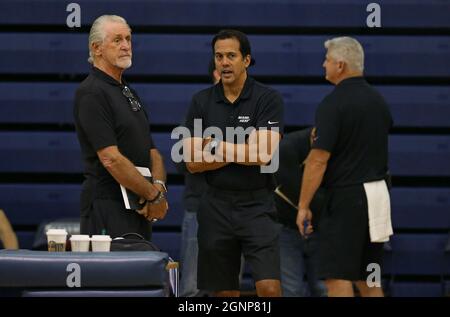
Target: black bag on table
(132, 242)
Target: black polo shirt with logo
(353, 123)
(103, 117)
(257, 106)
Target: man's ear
(96, 48)
(341, 66)
(247, 60)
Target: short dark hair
(244, 43)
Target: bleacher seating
(446, 273)
(416, 289)
(412, 208)
(261, 13)
(44, 274)
(407, 60)
(418, 254)
(36, 203)
(287, 55)
(41, 202)
(416, 208)
(52, 103)
(419, 155)
(168, 242)
(59, 152)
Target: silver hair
(348, 50)
(97, 33)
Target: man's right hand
(157, 211)
(304, 221)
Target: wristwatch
(213, 146)
(157, 199)
(160, 182)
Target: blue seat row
(419, 155)
(169, 242)
(59, 152)
(412, 254)
(411, 207)
(282, 55)
(263, 13)
(419, 254)
(44, 274)
(55, 152)
(416, 289)
(421, 106)
(44, 202)
(420, 207)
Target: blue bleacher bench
(419, 254)
(52, 103)
(42, 202)
(260, 13)
(59, 152)
(276, 55)
(415, 289)
(42, 273)
(39, 202)
(421, 207)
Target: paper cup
(56, 240)
(80, 243)
(101, 243)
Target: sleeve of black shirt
(96, 120)
(194, 112)
(270, 113)
(327, 125)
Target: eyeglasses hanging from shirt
(132, 100)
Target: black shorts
(112, 217)
(344, 247)
(231, 223)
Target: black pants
(232, 223)
(110, 217)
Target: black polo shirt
(293, 150)
(103, 117)
(258, 106)
(353, 123)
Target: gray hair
(97, 33)
(348, 50)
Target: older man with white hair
(114, 134)
(349, 158)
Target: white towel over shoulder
(379, 205)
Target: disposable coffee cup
(56, 240)
(80, 242)
(101, 243)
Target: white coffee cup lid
(57, 231)
(80, 237)
(101, 238)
